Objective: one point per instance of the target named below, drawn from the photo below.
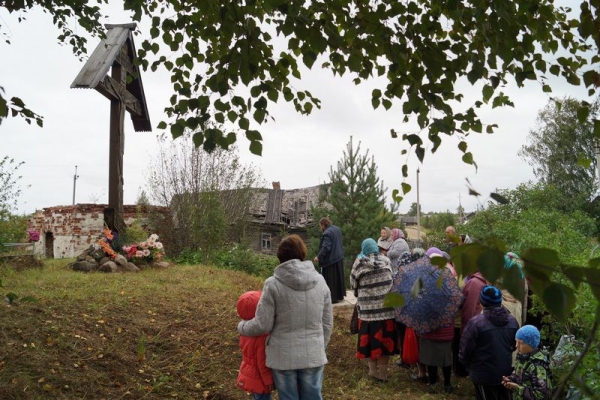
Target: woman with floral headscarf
(398, 252)
(516, 307)
(377, 339)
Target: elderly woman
(385, 241)
(377, 338)
(398, 252)
(295, 309)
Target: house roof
(117, 47)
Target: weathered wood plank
(113, 90)
(101, 60)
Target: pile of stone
(96, 260)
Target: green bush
(236, 258)
(190, 257)
(241, 258)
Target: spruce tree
(355, 201)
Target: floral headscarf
(397, 234)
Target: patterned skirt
(377, 339)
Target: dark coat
(330, 247)
(486, 346)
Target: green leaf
(559, 300)
(465, 258)
(198, 139)
(468, 158)
(244, 123)
(439, 262)
(405, 188)
(491, 264)
(253, 135)
(499, 198)
(416, 288)
(413, 139)
(256, 148)
(593, 275)
(393, 300)
(395, 196)
(162, 125)
(540, 263)
(488, 91)
(405, 171)
(513, 282)
(582, 114)
(177, 129)
(597, 128)
(259, 115)
(462, 146)
(575, 274)
(590, 77)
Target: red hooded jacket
(471, 306)
(254, 375)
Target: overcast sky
(298, 151)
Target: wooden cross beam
(117, 51)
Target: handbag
(354, 321)
(410, 347)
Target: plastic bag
(410, 347)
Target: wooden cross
(117, 50)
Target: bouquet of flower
(105, 244)
(34, 236)
(150, 250)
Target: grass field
(157, 334)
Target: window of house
(266, 241)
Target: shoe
(432, 388)
(401, 364)
(448, 389)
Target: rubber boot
(382, 368)
(372, 368)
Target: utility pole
(461, 214)
(75, 183)
(418, 209)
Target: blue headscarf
(511, 260)
(369, 246)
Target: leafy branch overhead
(215, 50)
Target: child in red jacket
(254, 376)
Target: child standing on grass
(254, 376)
(531, 377)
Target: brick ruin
(66, 231)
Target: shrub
(242, 258)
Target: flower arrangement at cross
(105, 244)
(149, 250)
(34, 236)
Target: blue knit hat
(530, 335)
(369, 246)
(490, 296)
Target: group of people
(481, 341)
(285, 329)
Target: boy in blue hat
(531, 377)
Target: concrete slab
(349, 300)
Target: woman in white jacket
(295, 309)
